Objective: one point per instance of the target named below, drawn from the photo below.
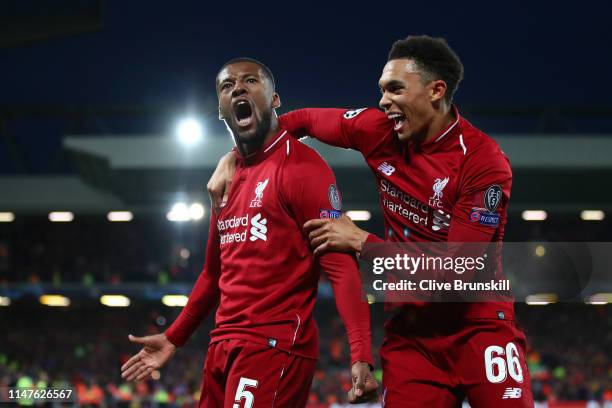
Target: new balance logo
(512, 393)
(258, 228)
(386, 169)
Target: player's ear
(437, 90)
(276, 102)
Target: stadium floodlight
(61, 216)
(115, 300)
(600, 299)
(189, 131)
(120, 216)
(5, 301)
(371, 298)
(592, 215)
(179, 213)
(7, 217)
(540, 251)
(541, 299)
(54, 300)
(174, 300)
(359, 215)
(196, 211)
(534, 215)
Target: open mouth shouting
(243, 112)
(398, 118)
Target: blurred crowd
(93, 250)
(83, 348)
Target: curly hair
(434, 59)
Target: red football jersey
(259, 264)
(453, 188)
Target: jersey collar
(263, 152)
(448, 133)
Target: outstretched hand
(364, 385)
(156, 351)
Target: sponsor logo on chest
(243, 228)
(236, 229)
(415, 211)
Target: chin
(243, 135)
(404, 137)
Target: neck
(442, 119)
(246, 149)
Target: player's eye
(225, 86)
(251, 80)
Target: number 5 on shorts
(241, 393)
(493, 362)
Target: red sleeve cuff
(365, 357)
(174, 338)
(374, 239)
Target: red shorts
(481, 360)
(242, 374)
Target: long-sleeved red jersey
(453, 188)
(259, 265)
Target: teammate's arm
(159, 348)
(359, 129)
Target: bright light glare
(115, 300)
(541, 299)
(7, 217)
(592, 215)
(54, 300)
(174, 300)
(184, 253)
(179, 213)
(196, 211)
(600, 299)
(61, 216)
(534, 215)
(5, 301)
(540, 251)
(358, 215)
(189, 131)
(120, 216)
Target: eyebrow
(244, 76)
(392, 83)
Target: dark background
(62, 57)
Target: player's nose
(238, 90)
(385, 102)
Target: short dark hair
(433, 57)
(266, 70)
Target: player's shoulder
(368, 116)
(299, 155)
(479, 146)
